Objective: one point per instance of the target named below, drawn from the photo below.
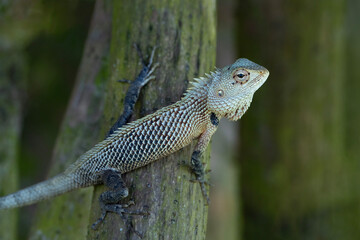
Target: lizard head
(232, 88)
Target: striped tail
(50, 188)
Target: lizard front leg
(133, 92)
(196, 164)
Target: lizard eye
(241, 76)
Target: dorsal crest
(201, 84)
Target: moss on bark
(12, 82)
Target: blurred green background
(288, 170)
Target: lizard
(224, 93)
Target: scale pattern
(146, 140)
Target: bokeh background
(288, 170)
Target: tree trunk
(352, 115)
(184, 33)
(13, 68)
(294, 172)
(12, 81)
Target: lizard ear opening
(220, 93)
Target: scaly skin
(227, 92)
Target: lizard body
(226, 92)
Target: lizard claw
(197, 167)
(148, 76)
(148, 68)
(119, 209)
(202, 183)
(207, 183)
(201, 180)
(124, 81)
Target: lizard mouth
(260, 79)
(256, 83)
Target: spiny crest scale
(201, 83)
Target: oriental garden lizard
(224, 93)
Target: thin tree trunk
(184, 32)
(13, 68)
(66, 216)
(12, 81)
(352, 115)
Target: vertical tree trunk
(184, 32)
(66, 216)
(297, 186)
(185, 35)
(352, 114)
(14, 34)
(12, 82)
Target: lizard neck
(196, 111)
(239, 109)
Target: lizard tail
(52, 187)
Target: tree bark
(13, 68)
(185, 36)
(352, 116)
(294, 171)
(12, 82)
(184, 32)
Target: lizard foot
(200, 178)
(148, 68)
(146, 72)
(109, 201)
(124, 81)
(121, 210)
(202, 183)
(197, 167)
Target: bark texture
(352, 116)
(14, 34)
(12, 84)
(184, 32)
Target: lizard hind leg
(109, 200)
(198, 169)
